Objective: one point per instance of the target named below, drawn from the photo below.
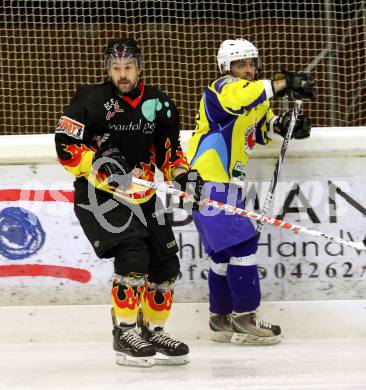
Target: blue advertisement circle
(21, 233)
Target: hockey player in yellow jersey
(235, 114)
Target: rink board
(322, 186)
(188, 321)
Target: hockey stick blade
(163, 187)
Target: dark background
(48, 48)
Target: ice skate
(131, 349)
(248, 329)
(221, 325)
(168, 350)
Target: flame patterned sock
(126, 294)
(156, 302)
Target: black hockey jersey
(144, 125)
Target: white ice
(294, 364)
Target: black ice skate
(169, 351)
(248, 329)
(131, 349)
(221, 325)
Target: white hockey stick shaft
(253, 215)
(281, 157)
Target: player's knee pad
(126, 296)
(219, 262)
(163, 268)
(156, 302)
(244, 249)
(218, 268)
(244, 261)
(131, 256)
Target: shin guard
(156, 302)
(243, 280)
(126, 293)
(220, 294)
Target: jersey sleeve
(168, 151)
(264, 130)
(235, 96)
(238, 95)
(73, 142)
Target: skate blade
(222, 337)
(248, 339)
(122, 359)
(165, 360)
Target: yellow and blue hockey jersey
(234, 114)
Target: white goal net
(50, 47)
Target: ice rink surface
(294, 364)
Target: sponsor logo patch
(239, 172)
(70, 127)
(171, 244)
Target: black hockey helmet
(122, 49)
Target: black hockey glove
(109, 161)
(299, 85)
(192, 183)
(302, 126)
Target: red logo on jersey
(113, 107)
(249, 139)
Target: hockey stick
(281, 157)
(264, 219)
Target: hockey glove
(192, 183)
(302, 126)
(111, 165)
(299, 85)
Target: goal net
(50, 47)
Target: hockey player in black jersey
(106, 131)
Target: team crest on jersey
(113, 107)
(249, 139)
(70, 127)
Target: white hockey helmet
(234, 50)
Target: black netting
(50, 47)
